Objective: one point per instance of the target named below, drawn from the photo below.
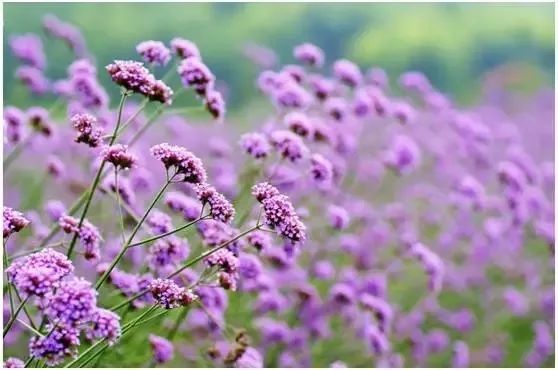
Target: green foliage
(453, 44)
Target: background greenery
(454, 44)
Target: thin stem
(186, 265)
(30, 328)
(119, 204)
(17, 151)
(181, 316)
(14, 316)
(147, 124)
(97, 178)
(56, 227)
(6, 263)
(130, 238)
(26, 253)
(156, 237)
(136, 113)
(125, 329)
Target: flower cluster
(133, 76)
(169, 295)
(14, 221)
(279, 212)
(88, 233)
(88, 130)
(221, 209)
(184, 162)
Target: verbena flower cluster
(360, 222)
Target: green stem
(186, 265)
(30, 328)
(6, 264)
(156, 237)
(181, 316)
(136, 113)
(17, 151)
(97, 178)
(117, 192)
(125, 329)
(131, 237)
(14, 316)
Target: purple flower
(133, 76)
(321, 169)
(288, 144)
(415, 81)
(104, 324)
(299, 123)
(72, 303)
(67, 32)
(47, 262)
(163, 350)
(194, 73)
(460, 354)
(309, 54)
(154, 52)
(88, 130)
(33, 78)
(13, 362)
(89, 235)
(55, 166)
(55, 209)
(378, 341)
(347, 72)
(255, 144)
(125, 190)
(39, 120)
(336, 108)
(260, 240)
(14, 221)
(188, 206)
(290, 94)
(404, 155)
(119, 156)
(159, 222)
(263, 191)
(342, 294)
(165, 292)
(403, 112)
(224, 259)
(338, 217)
(321, 86)
(221, 209)
(85, 87)
(378, 77)
(214, 104)
(62, 342)
(29, 49)
(167, 253)
(184, 49)
(250, 358)
(14, 120)
(182, 160)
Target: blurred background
(458, 46)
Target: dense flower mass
(154, 52)
(184, 162)
(347, 218)
(14, 221)
(221, 209)
(133, 76)
(105, 324)
(88, 131)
